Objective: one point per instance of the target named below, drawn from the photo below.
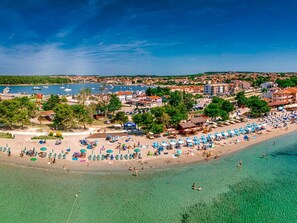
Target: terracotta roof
(187, 125)
(291, 90)
(124, 93)
(47, 113)
(277, 103)
(198, 120)
(154, 97)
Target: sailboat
(67, 89)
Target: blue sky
(147, 37)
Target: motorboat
(45, 86)
(62, 87)
(36, 88)
(67, 89)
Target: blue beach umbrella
(109, 151)
(43, 149)
(137, 150)
(83, 150)
(179, 152)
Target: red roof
(124, 93)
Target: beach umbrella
(43, 149)
(164, 144)
(68, 150)
(83, 150)
(180, 141)
(189, 140)
(137, 150)
(33, 159)
(179, 152)
(173, 143)
(109, 151)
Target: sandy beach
(147, 163)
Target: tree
(157, 128)
(14, 113)
(121, 117)
(84, 95)
(241, 99)
(219, 108)
(81, 115)
(175, 98)
(64, 116)
(51, 102)
(114, 103)
(257, 106)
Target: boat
(45, 86)
(93, 88)
(62, 87)
(67, 89)
(36, 88)
(6, 90)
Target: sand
(222, 148)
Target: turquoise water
(263, 190)
(96, 88)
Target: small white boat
(62, 87)
(93, 88)
(36, 88)
(67, 89)
(45, 86)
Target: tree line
(11, 80)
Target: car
(107, 122)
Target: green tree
(241, 99)
(81, 115)
(64, 116)
(114, 103)
(257, 106)
(157, 128)
(121, 117)
(13, 114)
(51, 102)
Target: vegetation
(6, 135)
(288, 82)
(241, 99)
(219, 108)
(16, 112)
(33, 80)
(121, 117)
(51, 103)
(158, 91)
(257, 106)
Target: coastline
(148, 163)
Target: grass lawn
(47, 137)
(5, 135)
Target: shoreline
(148, 163)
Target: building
(187, 128)
(268, 85)
(216, 89)
(124, 96)
(283, 97)
(199, 121)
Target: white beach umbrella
(164, 144)
(173, 143)
(180, 141)
(189, 140)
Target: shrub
(59, 134)
(50, 134)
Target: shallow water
(263, 190)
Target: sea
(262, 190)
(96, 88)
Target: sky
(126, 37)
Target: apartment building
(216, 89)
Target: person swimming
(199, 188)
(194, 186)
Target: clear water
(55, 89)
(263, 190)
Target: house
(155, 100)
(124, 96)
(283, 97)
(199, 121)
(268, 85)
(187, 128)
(46, 117)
